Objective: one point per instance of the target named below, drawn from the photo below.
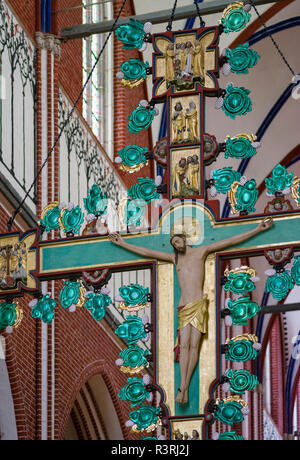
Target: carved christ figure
(193, 304)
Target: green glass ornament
(134, 70)
(230, 436)
(241, 381)
(242, 198)
(239, 283)
(242, 309)
(96, 202)
(133, 359)
(134, 295)
(145, 417)
(241, 58)
(71, 294)
(223, 178)
(135, 210)
(43, 309)
(234, 19)
(240, 147)
(236, 101)
(229, 412)
(132, 330)
(296, 271)
(8, 315)
(71, 220)
(97, 304)
(140, 118)
(240, 350)
(145, 189)
(133, 158)
(279, 285)
(279, 181)
(50, 217)
(135, 391)
(131, 35)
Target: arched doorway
(93, 415)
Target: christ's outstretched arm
(160, 255)
(263, 226)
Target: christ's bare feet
(179, 396)
(185, 396)
(182, 396)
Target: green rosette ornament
(96, 203)
(133, 297)
(50, 217)
(133, 360)
(72, 295)
(132, 330)
(71, 219)
(242, 348)
(240, 59)
(223, 179)
(141, 117)
(97, 303)
(241, 146)
(280, 181)
(239, 381)
(135, 211)
(279, 284)
(132, 158)
(133, 72)
(227, 436)
(11, 316)
(235, 101)
(240, 280)
(243, 196)
(235, 17)
(241, 310)
(131, 35)
(295, 272)
(145, 190)
(135, 391)
(231, 410)
(43, 308)
(146, 418)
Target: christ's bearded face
(179, 244)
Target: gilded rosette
(231, 195)
(249, 337)
(295, 190)
(233, 398)
(230, 7)
(132, 169)
(244, 269)
(132, 308)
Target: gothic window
(97, 99)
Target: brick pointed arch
(97, 367)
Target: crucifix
(184, 244)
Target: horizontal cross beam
(157, 17)
(280, 308)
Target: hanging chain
(271, 37)
(169, 26)
(202, 23)
(17, 210)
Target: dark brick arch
(95, 368)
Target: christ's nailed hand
(116, 238)
(266, 224)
